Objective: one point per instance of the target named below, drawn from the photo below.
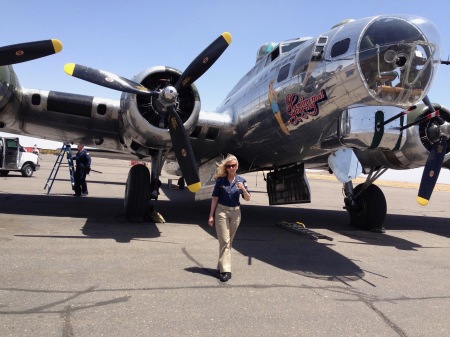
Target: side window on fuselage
(283, 73)
(340, 47)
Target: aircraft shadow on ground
(258, 237)
(105, 217)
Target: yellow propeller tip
(195, 187)
(422, 201)
(227, 37)
(69, 68)
(57, 45)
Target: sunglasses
(230, 166)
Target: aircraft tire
(27, 170)
(137, 193)
(370, 209)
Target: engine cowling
(416, 147)
(10, 98)
(420, 138)
(143, 119)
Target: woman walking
(225, 212)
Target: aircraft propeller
(435, 158)
(167, 96)
(28, 51)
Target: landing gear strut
(181, 183)
(157, 158)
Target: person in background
(83, 167)
(225, 210)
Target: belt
(227, 208)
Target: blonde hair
(221, 170)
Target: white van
(13, 157)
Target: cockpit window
(396, 61)
(301, 64)
(265, 49)
(288, 46)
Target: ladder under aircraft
(64, 152)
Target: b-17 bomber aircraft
(351, 100)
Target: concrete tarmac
(75, 267)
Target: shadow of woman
(203, 271)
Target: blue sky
(126, 37)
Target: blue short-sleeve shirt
(227, 193)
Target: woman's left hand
(211, 221)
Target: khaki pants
(227, 221)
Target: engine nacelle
(420, 138)
(417, 145)
(143, 119)
(10, 98)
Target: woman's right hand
(211, 221)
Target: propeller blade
(24, 52)
(106, 79)
(427, 102)
(180, 140)
(183, 151)
(204, 61)
(431, 171)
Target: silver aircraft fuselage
(303, 100)
(342, 77)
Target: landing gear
(181, 183)
(154, 188)
(157, 159)
(366, 206)
(137, 193)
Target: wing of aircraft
(351, 100)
